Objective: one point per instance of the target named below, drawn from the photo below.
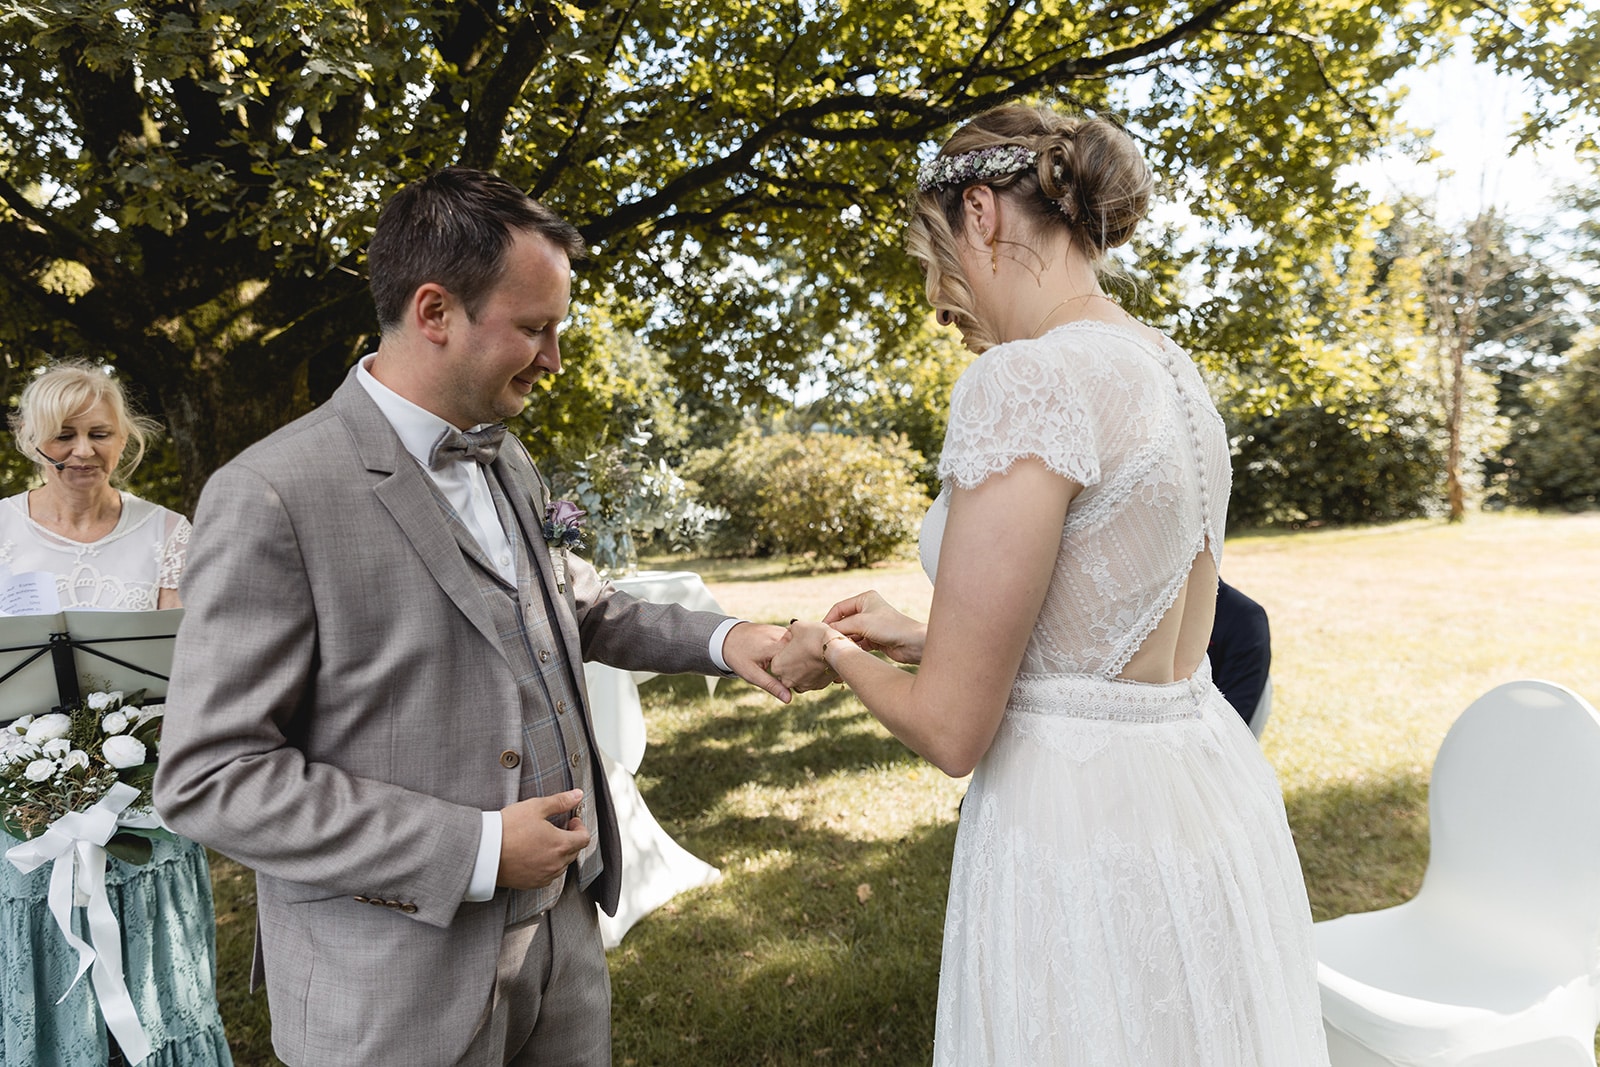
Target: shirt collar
(417, 427)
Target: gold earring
(994, 260)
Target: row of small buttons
(408, 907)
(511, 759)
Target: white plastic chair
(1258, 718)
(1496, 960)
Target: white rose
(39, 770)
(21, 752)
(49, 727)
(20, 726)
(123, 750)
(76, 758)
(102, 701)
(114, 723)
(56, 747)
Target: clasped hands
(812, 652)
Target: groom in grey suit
(377, 699)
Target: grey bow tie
(455, 445)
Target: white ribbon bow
(75, 844)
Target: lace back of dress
(1180, 632)
(1130, 422)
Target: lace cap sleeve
(1016, 400)
(174, 549)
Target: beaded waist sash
(1088, 696)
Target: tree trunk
(218, 398)
(212, 420)
(1454, 492)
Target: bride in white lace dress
(1125, 890)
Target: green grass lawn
(820, 944)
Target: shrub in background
(1379, 458)
(1554, 455)
(839, 499)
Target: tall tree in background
(1493, 306)
(1462, 270)
(186, 186)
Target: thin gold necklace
(1070, 300)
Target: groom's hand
(748, 649)
(533, 852)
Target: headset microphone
(61, 466)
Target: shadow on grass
(827, 951)
(819, 735)
(244, 1014)
(818, 945)
(1363, 844)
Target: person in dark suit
(1241, 653)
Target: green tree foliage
(1381, 456)
(1340, 382)
(186, 188)
(904, 391)
(1316, 373)
(836, 498)
(611, 383)
(1492, 304)
(1554, 456)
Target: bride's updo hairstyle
(1085, 179)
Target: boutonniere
(563, 529)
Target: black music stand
(53, 660)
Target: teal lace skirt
(169, 959)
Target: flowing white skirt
(1125, 891)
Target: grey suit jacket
(336, 717)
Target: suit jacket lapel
(409, 500)
(525, 489)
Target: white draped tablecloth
(655, 868)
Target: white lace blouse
(1129, 420)
(123, 571)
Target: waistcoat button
(509, 759)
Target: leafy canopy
(186, 186)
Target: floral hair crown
(982, 164)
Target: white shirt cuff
(486, 871)
(718, 637)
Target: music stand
(50, 660)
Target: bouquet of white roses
(68, 761)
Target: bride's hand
(869, 621)
(799, 664)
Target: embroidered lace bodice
(1128, 419)
(123, 571)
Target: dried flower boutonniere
(563, 529)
